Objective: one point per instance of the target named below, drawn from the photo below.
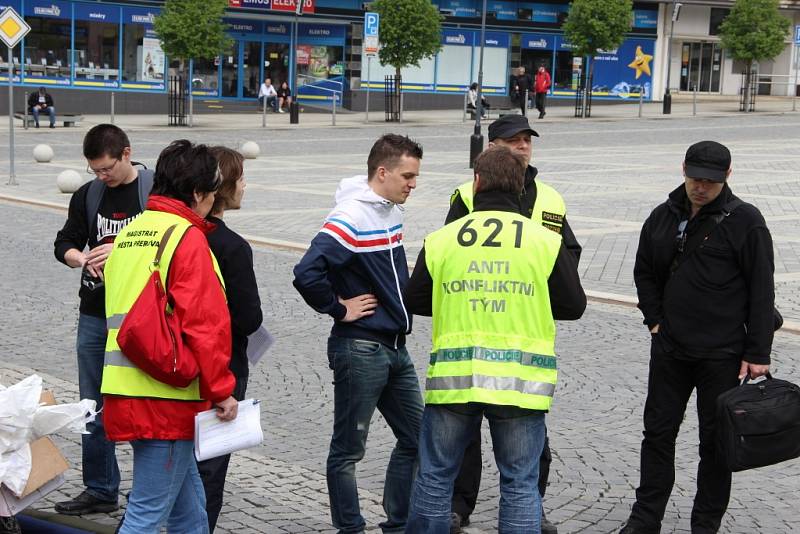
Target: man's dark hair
(231, 166)
(183, 169)
(105, 140)
(500, 170)
(387, 151)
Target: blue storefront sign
(458, 37)
(97, 13)
(244, 26)
(256, 4)
(277, 29)
(503, 10)
(14, 4)
(538, 41)
(493, 39)
(48, 9)
(645, 18)
(547, 12)
(330, 34)
(139, 15)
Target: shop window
(320, 62)
(718, 15)
(96, 50)
(46, 48)
(142, 57)
(453, 66)
(205, 75)
(15, 53)
(495, 63)
(276, 63)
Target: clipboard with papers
(214, 437)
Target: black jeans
(541, 99)
(468, 481)
(672, 378)
(214, 470)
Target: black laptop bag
(758, 424)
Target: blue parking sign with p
(797, 35)
(371, 24)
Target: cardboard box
(47, 468)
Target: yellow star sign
(641, 62)
(12, 27)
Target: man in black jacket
(704, 276)
(39, 102)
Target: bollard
(641, 101)
(464, 111)
(112, 107)
(264, 114)
(401, 105)
(333, 115)
(25, 119)
(525, 105)
(694, 102)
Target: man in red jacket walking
(541, 86)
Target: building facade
(90, 47)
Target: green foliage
(754, 30)
(594, 25)
(410, 31)
(192, 29)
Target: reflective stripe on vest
(548, 210)
(493, 329)
(126, 272)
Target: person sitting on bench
(42, 101)
(472, 100)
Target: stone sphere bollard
(43, 153)
(250, 150)
(69, 181)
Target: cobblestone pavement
(611, 174)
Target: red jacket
(206, 329)
(542, 83)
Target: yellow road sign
(12, 27)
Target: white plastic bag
(15, 468)
(18, 404)
(58, 417)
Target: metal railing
(336, 94)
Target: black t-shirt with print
(118, 207)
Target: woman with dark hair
(472, 100)
(284, 95)
(235, 258)
(158, 418)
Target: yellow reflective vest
(126, 273)
(493, 328)
(549, 209)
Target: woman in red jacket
(166, 484)
(542, 86)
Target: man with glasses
(97, 213)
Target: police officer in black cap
(541, 203)
(704, 276)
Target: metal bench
(68, 119)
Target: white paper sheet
(214, 437)
(258, 343)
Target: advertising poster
(303, 54)
(152, 66)
(626, 71)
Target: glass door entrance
(251, 63)
(701, 66)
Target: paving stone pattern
(611, 174)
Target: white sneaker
(281, 111)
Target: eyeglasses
(105, 170)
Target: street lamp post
(676, 9)
(476, 139)
(294, 107)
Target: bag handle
(162, 246)
(747, 378)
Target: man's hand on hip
(753, 369)
(359, 306)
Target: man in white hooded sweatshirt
(355, 270)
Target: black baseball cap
(509, 126)
(707, 160)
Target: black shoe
(456, 522)
(548, 527)
(52, 126)
(37, 125)
(85, 504)
(630, 529)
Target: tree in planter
(594, 25)
(191, 29)
(410, 31)
(754, 30)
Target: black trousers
(541, 100)
(468, 481)
(214, 470)
(672, 378)
(523, 102)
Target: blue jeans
(369, 375)
(272, 102)
(50, 110)
(517, 438)
(100, 471)
(166, 489)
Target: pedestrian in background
(235, 259)
(493, 281)
(156, 418)
(284, 96)
(355, 271)
(42, 102)
(523, 85)
(704, 277)
(541, 86)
